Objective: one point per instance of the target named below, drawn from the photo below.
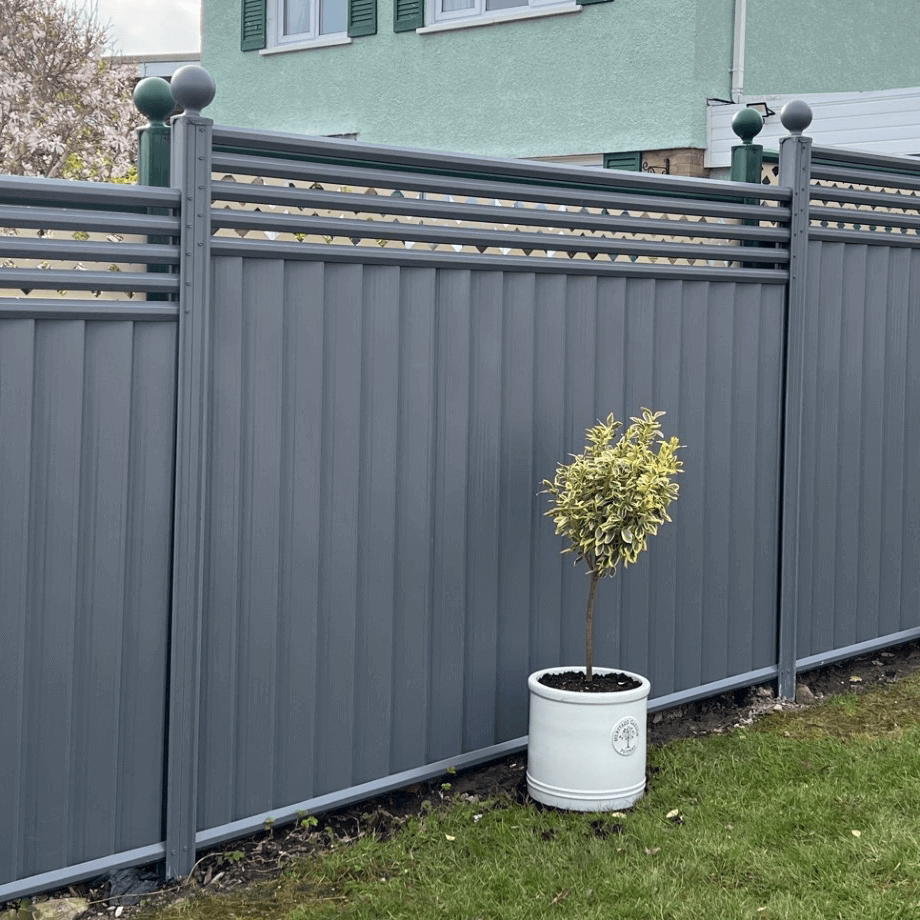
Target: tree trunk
(589, 626)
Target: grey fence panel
(87, 411)
(381, 577)
(384, 390)
(860, 506)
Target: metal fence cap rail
(51, 279)
(413, 258)
(117, 309)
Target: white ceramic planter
(586, 751)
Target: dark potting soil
(615, 682)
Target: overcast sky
(150, 26)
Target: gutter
(737, 72)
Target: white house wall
(886, 122)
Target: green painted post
(747, 159)
(154, 98)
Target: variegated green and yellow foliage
(612, 497)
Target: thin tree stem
(589, 625)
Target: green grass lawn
(806, 815)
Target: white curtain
(296, 16)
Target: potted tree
(586, 747)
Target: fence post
(154, 98)
(747, 161)
(191, 173)
(795, 173)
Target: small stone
(59, 908)
(803, 694)
(657, 718)
(778, 707)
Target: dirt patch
(261, 856)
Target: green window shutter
(362, 17)
(408, 15)
(253, 25)
(631, 160)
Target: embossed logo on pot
(625, 736)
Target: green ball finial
(154, 98)
(747, 124)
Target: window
(464, 9)
(436, 15)
(286, 25)
(629, 161)
(302, 20)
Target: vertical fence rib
(191, 172)
(795, 172)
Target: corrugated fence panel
(87, 410)
(381, 575)
(860, 565)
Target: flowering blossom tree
(65, 109)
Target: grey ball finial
(796, 116)
(193, 88)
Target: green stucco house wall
(560, 79)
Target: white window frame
(279, 42)
(438, 19)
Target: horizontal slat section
(491, 239)
(224, 246)
(55, 280)
(889, 200)
(98, 195)
(867, 237)
(864, 161)
(88, 251)
(522, 171)
(669, 201)
(865, 177)
(449, 210)
(88, 221)
(874, 218)
(137, 311)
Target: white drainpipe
(738, 50)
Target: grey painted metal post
(191, 172)
(795, 172)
